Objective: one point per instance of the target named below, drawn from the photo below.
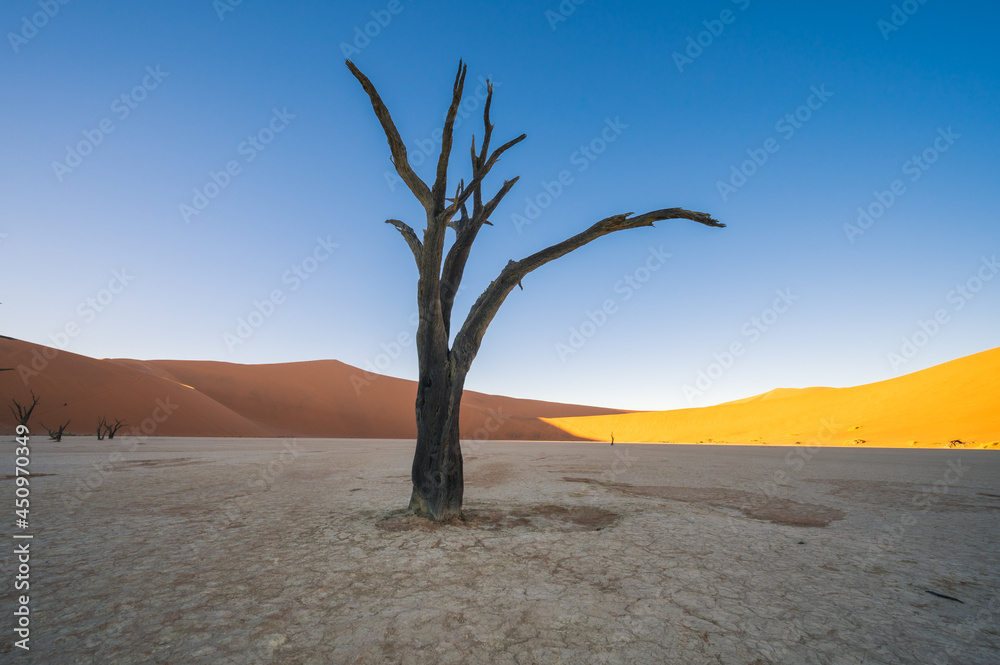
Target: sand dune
(779, 393)
(955, 401)
(322, 398)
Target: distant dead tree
(111, 430)
(437, 463)
(102, 423)
(56, 434)
(22, 412)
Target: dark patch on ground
(34, 475)
(155, 463)
(756, 506)
(593, 481)
(546, 517)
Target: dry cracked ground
(228, 551)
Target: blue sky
(637, 106)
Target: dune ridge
(321, 398)
(955, 404)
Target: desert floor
(223, 551)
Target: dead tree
(22, 412)
(437, 464)
(56, 434)
(111, 430)
(102, 424)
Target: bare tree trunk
(437, 461)
(438, 485)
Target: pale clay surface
(228, 551)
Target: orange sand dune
(322, 398)
(779, 393)
(955, 401)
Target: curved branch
(396, 145)
(411, 239)
(471, 335)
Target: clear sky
(167, 165)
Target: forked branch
(111, 430)
(56, 433)
(468, 228)
(477, 179)
(458, 255)
(23, 411)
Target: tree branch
(411, 239)
(447, 137)
(458, 255)
(477, 179)
(468, 228)
(396, 145)
(487, 129)
(471, 335)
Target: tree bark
(438, 484)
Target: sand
(228, 551)
(320, 398)
(953, 405)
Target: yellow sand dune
(958, 401)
